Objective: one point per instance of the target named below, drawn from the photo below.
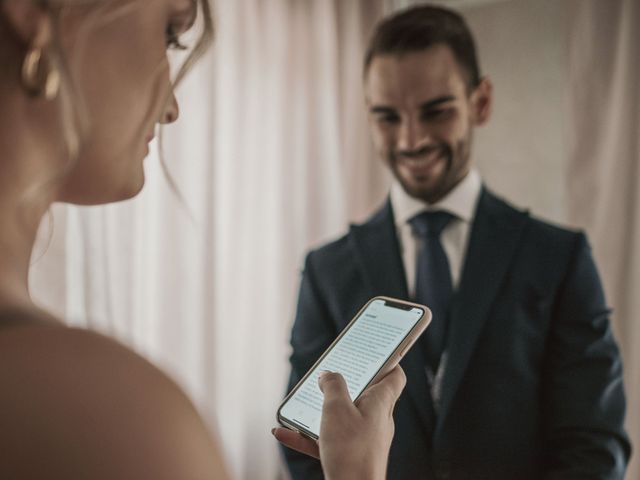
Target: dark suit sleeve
(313, 331)
(583, 395)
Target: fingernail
(323, 373)
(273, 432)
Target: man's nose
(409, 135)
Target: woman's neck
(18, 227)
(25, 196)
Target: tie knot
(430, 223)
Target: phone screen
(358, 355)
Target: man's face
(422, 115)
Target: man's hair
(422, 27)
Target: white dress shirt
(461, 202)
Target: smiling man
(518, 376)
(423, 106)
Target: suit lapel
(494, 237)
(378, 252)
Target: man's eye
(437, 114)
(173, 39)
(388, 119)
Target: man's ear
(29, 21)
(482, 101)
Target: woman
(83, 84)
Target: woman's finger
(387, 391)
(296, 441)
(336, 401)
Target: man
(518, 376)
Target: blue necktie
(433, 281)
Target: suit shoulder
(539, 229)
(336, 259)
(82, 404)
(331, 250)
(554, 232)
(341, 249)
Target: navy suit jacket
(532, 388)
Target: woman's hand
(354, 439)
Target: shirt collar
(461, 201)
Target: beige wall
(522, 152)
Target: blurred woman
(83, 85)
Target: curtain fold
(604, 166)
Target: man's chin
(419, 190)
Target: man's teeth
(417, 160)
(420, 160)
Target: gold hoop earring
(38, 78)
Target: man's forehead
(430, 72)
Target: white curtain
(272, 156)
(604, 169)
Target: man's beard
(449, 177)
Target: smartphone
(368, 348)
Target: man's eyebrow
(383, 109)
(437, 101)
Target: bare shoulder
(75, 404)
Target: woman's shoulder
(76, 404)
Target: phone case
(393, 359)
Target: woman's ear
(29, 21)
(482, 101)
